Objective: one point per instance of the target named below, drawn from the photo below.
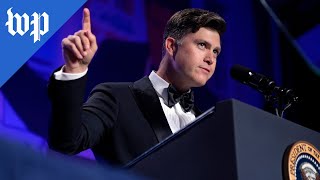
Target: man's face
(194, 60)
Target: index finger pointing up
(86, 22)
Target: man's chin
(200, 83)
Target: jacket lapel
(149, 104)
(197, 111)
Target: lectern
(231, 141)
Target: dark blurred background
(277, 38)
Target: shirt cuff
(62, 76)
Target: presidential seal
(301, 162)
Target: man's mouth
(206, 69)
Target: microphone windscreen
(240, 73)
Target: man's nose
(209, 58)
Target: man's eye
(216, 52)
(201, 45)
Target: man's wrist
(64, 76)
(77, 70)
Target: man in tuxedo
(119, 121)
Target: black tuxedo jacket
(118, 122)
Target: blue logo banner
(26, 25)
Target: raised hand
(79, 48)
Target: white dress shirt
(176, 117)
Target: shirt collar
(160, 85)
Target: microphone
(252, 79)
(262, 83)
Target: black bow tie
(186, 99)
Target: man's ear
(170, 46)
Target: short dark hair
(190, 21)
